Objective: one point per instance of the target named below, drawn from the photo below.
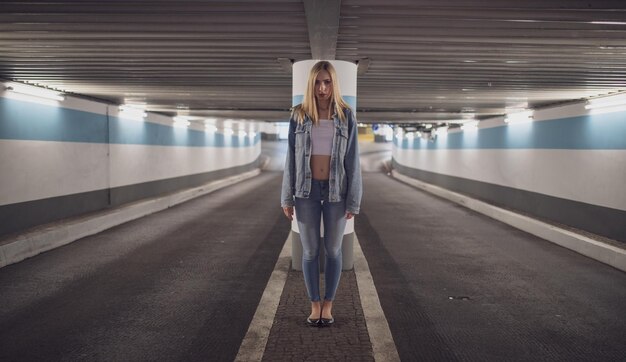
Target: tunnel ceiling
(429, 60)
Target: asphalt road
(457, 285)
(178, 285)
(184, 283)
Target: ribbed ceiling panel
(457, 57)
(428, 60)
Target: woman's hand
(288, 212)
(349, 215)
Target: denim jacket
(345, 169)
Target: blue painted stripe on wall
(125, 131)
(351, 100)
(295, 100)
(600, 131)
(21, 120)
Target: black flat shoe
(313, 322)
(327, 321)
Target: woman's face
(323, 86)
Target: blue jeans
(309, 212)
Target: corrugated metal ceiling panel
(427, 61)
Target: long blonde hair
(309, 103)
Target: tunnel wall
(78, 156)
(567, 167)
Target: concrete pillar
(346, 74)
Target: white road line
(382, 341)
(253, 344)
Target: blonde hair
(309, 103)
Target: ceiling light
(619, 108)
(181, 121)
(133, 106)
(182, 124)
(34, 91)
(519, 116)
(471, 125)
(132, 111)
(442, 130)
(607, 102)
(609, 22)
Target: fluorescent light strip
(132, 112)
(519, 117)
(614, 108)
(442, 131)
(471, 125)
(35, 91)
(181, 122)
(132, 107)
(614, 101)
(608, 22)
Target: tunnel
(143, 147)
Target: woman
(322, 179)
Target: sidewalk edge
(581, 244)
(36, 242)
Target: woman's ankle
(327, 309)
(316, 309)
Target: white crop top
(322, 137)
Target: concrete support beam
(322, 17)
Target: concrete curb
(36, 242)
(581, 244)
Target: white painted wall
(34, 169)
(591, 174)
